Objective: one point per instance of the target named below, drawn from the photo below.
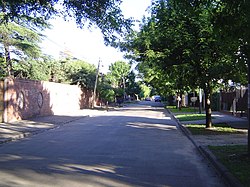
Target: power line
(64, 48)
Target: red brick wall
(28, 98)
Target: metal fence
(234, 101)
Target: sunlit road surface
(138, 145)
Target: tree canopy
(19, 43)
(118, 71)
(106, 14)
(180, 48)
(118, 76)
(82, 73)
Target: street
(136, 145)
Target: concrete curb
(221, 170)
(16, 137)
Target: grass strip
(235, 159)
(173, 109)
(217, 129)
(190, 117)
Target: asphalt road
(138, 145)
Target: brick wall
(28, 98)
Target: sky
(85, 44)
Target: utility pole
(124, 87)
(200, 101)
(96, 81)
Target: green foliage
(180, 49)
(232, 20)
(45, 68)
(105, 90)
(36, 70)
(119, 92)
(182, 33)
(118, 76)
(80, 72)
(107, 95)
(2, 67)
(57, 71)
(18, 42)
(145, 91)
(234, 17)
(106, 14)
(132, 87)
(112, 84)
(119, 71)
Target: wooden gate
(1, 100)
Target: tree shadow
(108, 150)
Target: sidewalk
(23, 128)
(202, 142)
(229, 139)
(219, 117)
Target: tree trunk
(208, 109)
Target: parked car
(157, 98)
(147, 99)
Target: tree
(32, 69)
(106, 14)
(145, 91)
(118, 74)
(132, 86)
(105, 90)
(168, 81)
(43, 68)
(233, 19)
(181, 34)
(18, 43)
(80, 72)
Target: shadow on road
(115, 149)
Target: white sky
(85, 44)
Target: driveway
(137, 145)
